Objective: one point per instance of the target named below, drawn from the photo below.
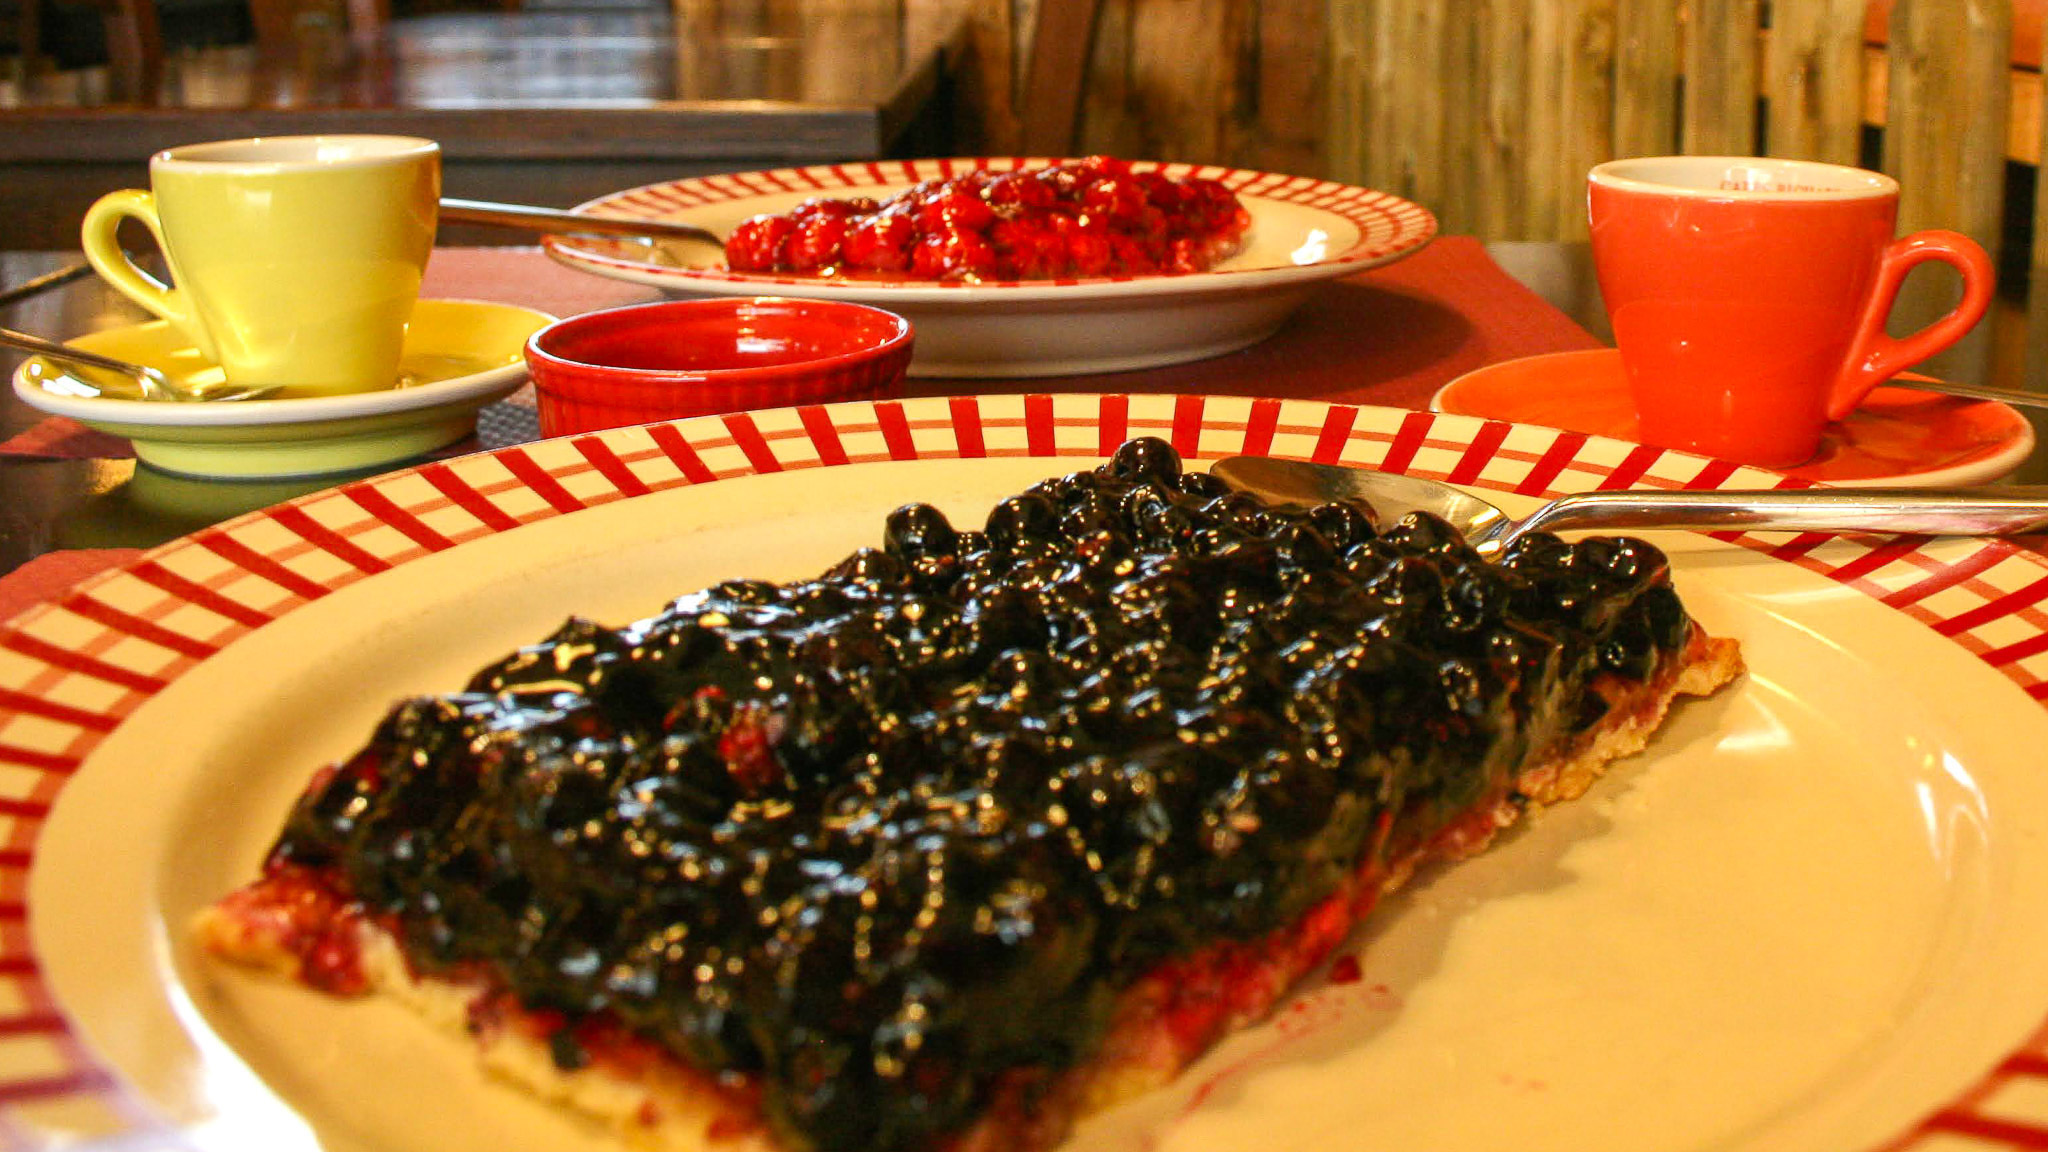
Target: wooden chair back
(1049, 111)
(135, 45)
(285, 28)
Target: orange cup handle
(1876, 357)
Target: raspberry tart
(1081, 218)
(975, 832)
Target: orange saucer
(1898, 436)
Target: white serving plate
(1815, 915)
(1303, 232)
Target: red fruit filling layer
(1092, 217)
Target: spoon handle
(139, 381)
(555, 220)
(68, 353)
(44, 283)
(1913, 511)
(1974, 392)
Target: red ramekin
(649, 362)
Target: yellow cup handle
(104, 252)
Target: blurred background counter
(540, 104)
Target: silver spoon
(556, 220)
(1976, 392)
(149, 384)
(1908, 511)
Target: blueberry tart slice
(978, 830)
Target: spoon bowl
(1885, 511)
(122, 380)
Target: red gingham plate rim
(1389, 229)
(1975, 594)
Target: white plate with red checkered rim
(1812, 919)
(1304, 231)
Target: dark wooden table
(54, 504)
(545, 107)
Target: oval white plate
(463, 353)
(1303, 232)
(1810, 918)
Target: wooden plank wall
(1219, 81)
(1215, 81)
(1491, 111)
(1718, 101)
(1815, 61)
(1646, 68)
(1949, 64)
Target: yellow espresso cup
(294, 260)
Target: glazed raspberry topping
(886, 840)
(1093, 217)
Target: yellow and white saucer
(459, 356)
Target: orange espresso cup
(1749, 296)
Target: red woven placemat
(1390, 336)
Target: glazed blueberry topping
(890, 838)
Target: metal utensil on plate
(556, 220)
(1888, 511)
(142, 381)
(1973, 392)
(44, 283)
